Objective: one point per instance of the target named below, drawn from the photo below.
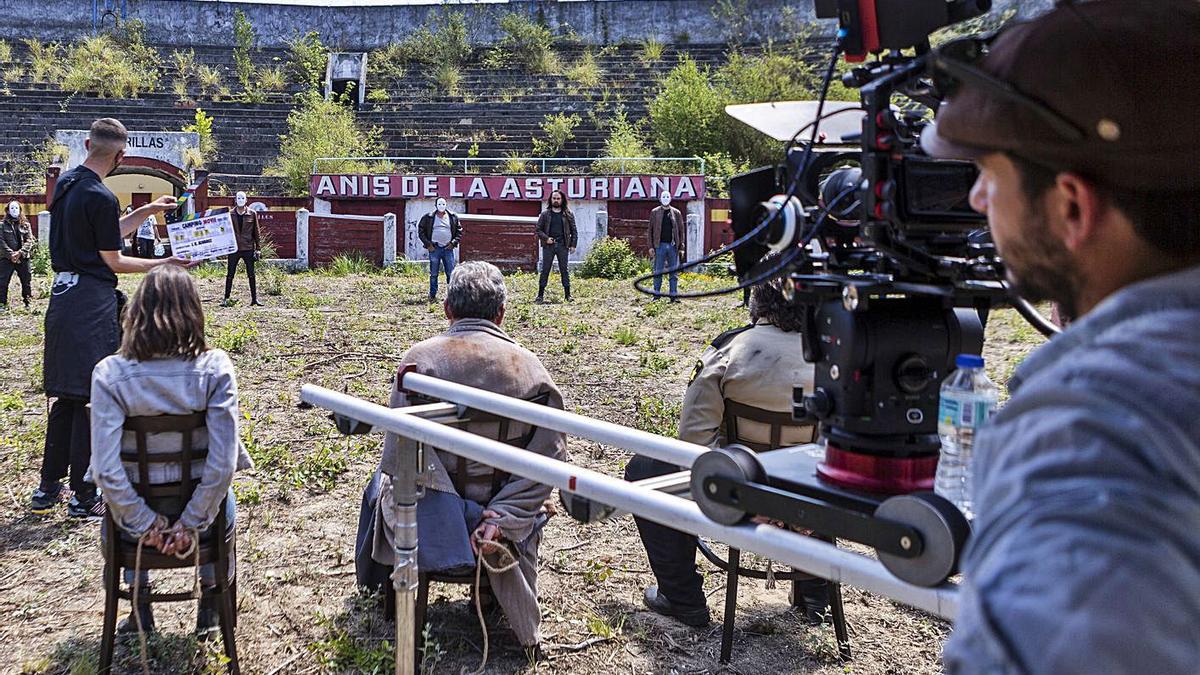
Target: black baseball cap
(1108, 88)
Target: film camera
(896, 275)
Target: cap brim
(935, 145)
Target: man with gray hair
(465, 502)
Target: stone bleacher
(500, 110)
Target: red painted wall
(369, 207)
(509, 246)
(331, 237)
(718, 232)
(630, 220)
(279, 227)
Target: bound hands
(486, 531)
(173, 540)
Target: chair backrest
(185, 425)
(777, 422)
(497, 478)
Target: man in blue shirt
(1086, 551)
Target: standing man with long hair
(557, 234)
(16, 248)
(82, 327)
(245, 230)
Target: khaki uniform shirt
(757, 367)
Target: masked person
(1084, 555)
(557, 234)
(82, 324)
(147, 238)
(666, 242)
(440, 233)
(16, 249)
(245, 230)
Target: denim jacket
(1086, 551)
(123, 388)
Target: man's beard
(1039, 267)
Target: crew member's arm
(702, 419)
(131, 222)
(120, 263)
(1078, 562)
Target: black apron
(82, 328)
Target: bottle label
(965, 413)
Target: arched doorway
(140, 180)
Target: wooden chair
(459, 478)
(120, 552)
(777, 423)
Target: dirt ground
(615, 356)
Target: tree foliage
(322, 128)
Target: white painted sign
(164, 146)
(203, 238)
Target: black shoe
(129, 626)
(539, 300)
(208, 618)
(88, 507)
(567, 299)
(690, 616)
(433, 298)
(810, 597)
(45, 500)
(227, 302)
(255, 303)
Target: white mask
(441, 205)
(664, 199)
(239, 199)
(14, 210)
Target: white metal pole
(669, 450)
(804, 553)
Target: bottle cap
(968, 361)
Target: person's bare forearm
(123, 264)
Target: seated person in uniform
(465, 502)
(757, 365)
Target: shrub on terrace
(307, 58)
(202, 125)
(624, 140)
(557, 129)
(322, 128)
(528, 42)
(101, 65)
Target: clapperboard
(203, 238)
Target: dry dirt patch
(616, 357)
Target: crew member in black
(245, 229)
(557, 234)
(82, 322)
(16, 247)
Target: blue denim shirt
(124, 388)
(1086, 551)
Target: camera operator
(82, 328)
(1085, 556)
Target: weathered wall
(202, 22)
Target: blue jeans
(666, 256)
(440, 256)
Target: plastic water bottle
(968, 399)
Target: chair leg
(731, 589)
(839, 620)
(108, 638)
(228, 609)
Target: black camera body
(894, 270)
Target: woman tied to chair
(164, 367)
